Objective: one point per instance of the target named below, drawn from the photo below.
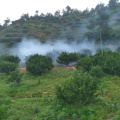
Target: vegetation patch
(38, 64)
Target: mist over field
(33, 46)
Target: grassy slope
(26, 98)
(70, 27)
(32, 101)
(40, 29)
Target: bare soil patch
(23, 69)
(68, 68)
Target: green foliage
(87, 113)
(39, 101)
(66, 58)
(96, 72)
(36, 109)
(49, 26)
(85, 63)
(53, 55)
(118, 50)
(82, 55)
(81, 89)
(4, 106)
(8, 63)
(10, 58)
(111, 65)
(61, 116)
(87, 51)
(107, 49)
(113, 4)
(116, 118)
(109, 62)
(7, 67)
(15, 77)
(38, 64)
(3, 111)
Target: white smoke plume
(33, 46)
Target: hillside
(70, 24)
(64, 66)
(42, 27)
(35, 99)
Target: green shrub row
(109, 62)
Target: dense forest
(101, 22)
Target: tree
(25, 16)
(38, 64)
(86, 11)
(102, 22)
(87, 51)
(66, 58)
(57, 14)
(113, 4)
(36, 13)
(98, 27)
(53, 55)
(42, 15)
(1, 27)
(68, 9)
(92, 23)
(6, 22)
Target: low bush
(80, 89)
(87, 51)
(38, 64)
(15, 77)
(66, 58)
(86, 63)
(7, 67)
(82, 55)
(53, 55)
(96, 72)
(10, 58)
